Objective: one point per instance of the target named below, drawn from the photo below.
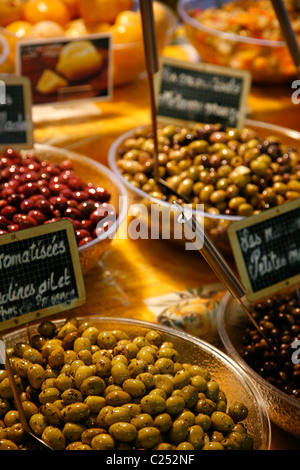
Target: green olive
(153, 404)
(196, 436)
(54, 438)
(103, 442)
(148, 437)
(75, 412)
(238, 411)
(123, 431)
(222, 422)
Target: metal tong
(287, 31)
(216, 261)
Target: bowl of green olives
(99, 383)
(274, 366)
(230, 173)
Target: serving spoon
(18, 402)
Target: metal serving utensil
(152, 67)
(287, 31)
(209, 251)
(32, 437)
(217, 262)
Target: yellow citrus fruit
(35, 11)
(10, 11)
(76, 28)
(20, 29)
(47, 29)
(73, 7)
(106, 11)
(128, 17)
(123, 34)
(79, 60)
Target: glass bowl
(268, 61)
(236, 385)
(215, 225)
(128, 61)
(283, 410)
(90, 171)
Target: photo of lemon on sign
(78, 60)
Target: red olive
(29, 189)
(72, 213)
(8, 211)
(4, 222)
(99, 194)
(24, 221)
(81, 233)
(75, 184)
(59, 203)
(66, 165)
(26, 205)
(13, 228)
(86, 225)
(3, 203)
(84, 241)
(38, 216)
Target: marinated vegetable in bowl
(279, 318)
(90, 388)
(244, 35)
(233, 172)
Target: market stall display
(130, 368)
(233, 173)
(122, 22)
(243, 35)
(102, 384)
(45, 184)
(259, 362)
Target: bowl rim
(239, 360)
(110, 175)
(226, 36)
(249, 384)
(112, 153)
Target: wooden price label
(40, 273)
(192, 93)
(16, 128)
(267, 251)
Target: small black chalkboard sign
(16, 128)
(40, 273)
(266, 249)
(189, 93)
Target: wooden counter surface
(132, 271)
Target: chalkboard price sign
(40, 273)
(266, 249)
(191, 93)
(16, 128)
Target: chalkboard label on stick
(267, 251)
(40, 273)
(201, 93)
(16, 128)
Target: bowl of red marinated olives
(274, 364)
(46, 184)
